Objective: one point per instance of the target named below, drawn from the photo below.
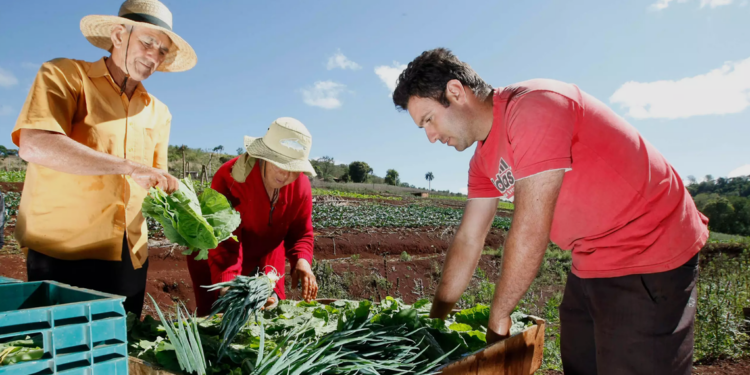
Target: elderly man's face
(148, 49)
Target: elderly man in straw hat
(270, 188)
(96, 141)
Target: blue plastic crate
(8, 280)
(83, 331)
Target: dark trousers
(636, 324)
(114, 277)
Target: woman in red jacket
(269, 186)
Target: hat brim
(256, 148)
(98, 30)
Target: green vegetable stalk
(199, 223)
(21, 351)
(245, 297)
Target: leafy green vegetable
(245, 297)
(343, 338)
(199, 223)
(28, 349)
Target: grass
(501, 204)
(723, 290)
(405, 257)
(12, 176)
(349, 194)
(716, 237)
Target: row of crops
(12, 176)
(376, 215)
(369, 215)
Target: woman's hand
(303, 272)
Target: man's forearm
(460, 262)
(526, 244)
(522, 255)
(61, 153)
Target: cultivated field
(370, 244)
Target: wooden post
(184, 172)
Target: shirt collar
(99, 69)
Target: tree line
(725, 201)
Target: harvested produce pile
(376, 215)
(29, 349)
(197, 222)
(345, 337)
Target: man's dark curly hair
(428, 75)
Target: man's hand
(148, 177)
(499, 330)
(303, 272)
(463, 255)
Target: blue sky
(679, 70)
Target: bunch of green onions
(246, 296)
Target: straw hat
(141, 13)
(286, 144)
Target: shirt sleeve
(299, 238)
(480, 186)
(52, 99)
(226, 259)
(161, 150)
(540, 129)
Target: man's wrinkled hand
(303, 273)
(147, 177)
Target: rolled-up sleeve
(540, 129)
(52, 100)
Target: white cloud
(7, 79)
(715, 3)
(721, 91)
(741, 171)
(464, 191)
(338, 60)
(389, 74)
(6, 110)
(324, 94)
(664, 4)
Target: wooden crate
(520, 354)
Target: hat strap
(147, 18)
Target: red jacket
(262, 243)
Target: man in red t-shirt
(584, 178)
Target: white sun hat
(286, 145)
(142, 13)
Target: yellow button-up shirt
(74, 217)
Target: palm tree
(429, 177)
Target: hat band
(147, 18)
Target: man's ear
(117, 35)
(455, 92)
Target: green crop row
(374, 215)
(349, 194)
(12, 176)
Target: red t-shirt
(622, 208)
(288, 235)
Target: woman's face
(276, 178)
